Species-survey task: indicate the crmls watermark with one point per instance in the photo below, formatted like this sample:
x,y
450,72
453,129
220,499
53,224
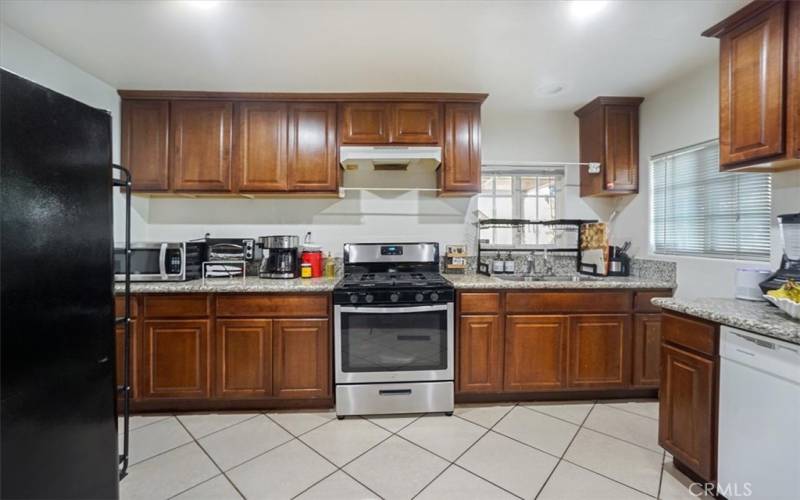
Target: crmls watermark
x,y
730,490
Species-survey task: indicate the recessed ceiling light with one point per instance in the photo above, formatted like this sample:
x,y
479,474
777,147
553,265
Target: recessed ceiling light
x,y
586,9
550,89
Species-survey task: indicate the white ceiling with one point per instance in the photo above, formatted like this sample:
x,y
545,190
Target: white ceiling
x,y
507,49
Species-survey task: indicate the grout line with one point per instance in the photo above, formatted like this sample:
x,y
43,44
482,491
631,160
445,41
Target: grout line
x,y
610,405
266,414
145,425
337,468
661,476
559,418
608,477
549,476
196,485
623,440
212,461
453,462
198,438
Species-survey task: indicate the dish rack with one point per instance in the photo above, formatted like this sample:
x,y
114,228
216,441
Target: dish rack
x,y
566,236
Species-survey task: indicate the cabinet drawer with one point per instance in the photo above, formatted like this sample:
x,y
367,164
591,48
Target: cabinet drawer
x,y
641,301
479,303
276,306
570,302
119,306
176,306
694,334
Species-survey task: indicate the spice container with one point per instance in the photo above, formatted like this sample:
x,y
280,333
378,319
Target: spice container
x,y
305,270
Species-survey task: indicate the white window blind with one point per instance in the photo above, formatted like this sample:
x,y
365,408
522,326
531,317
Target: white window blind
x,y
698,210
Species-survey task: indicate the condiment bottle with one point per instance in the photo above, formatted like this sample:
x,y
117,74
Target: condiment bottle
x,y
330,267
510,265
498,266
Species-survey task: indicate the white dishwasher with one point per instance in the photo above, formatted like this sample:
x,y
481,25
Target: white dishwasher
x,y
759,417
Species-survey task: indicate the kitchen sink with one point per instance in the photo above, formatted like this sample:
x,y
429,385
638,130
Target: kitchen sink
x,y
517,277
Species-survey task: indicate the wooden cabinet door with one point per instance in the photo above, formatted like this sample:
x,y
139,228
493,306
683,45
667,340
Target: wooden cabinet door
x,y
793,79
312,147
201,145
176,359
260,142
364,122
687,409
415,123
535,353
751,82
599,351
120,356
622,148
480,354
461,163
301,355
244,358
145,143
647,350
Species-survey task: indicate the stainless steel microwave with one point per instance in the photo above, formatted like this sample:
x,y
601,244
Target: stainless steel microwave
x,y
160,261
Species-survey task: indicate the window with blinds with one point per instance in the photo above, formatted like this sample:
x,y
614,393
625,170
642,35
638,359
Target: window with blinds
x,y
698,210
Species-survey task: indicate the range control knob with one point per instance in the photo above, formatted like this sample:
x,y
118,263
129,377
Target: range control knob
x,y
434,297
394,297
369,298
419,297
354,298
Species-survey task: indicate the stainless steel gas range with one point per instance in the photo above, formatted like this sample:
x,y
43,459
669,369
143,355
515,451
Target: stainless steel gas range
x,y
393,331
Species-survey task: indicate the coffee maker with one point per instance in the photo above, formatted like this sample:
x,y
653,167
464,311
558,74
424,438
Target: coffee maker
x,y
280,257
790,261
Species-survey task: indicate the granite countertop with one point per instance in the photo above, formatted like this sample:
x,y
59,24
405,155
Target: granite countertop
x,y
756,317
251,284
479,281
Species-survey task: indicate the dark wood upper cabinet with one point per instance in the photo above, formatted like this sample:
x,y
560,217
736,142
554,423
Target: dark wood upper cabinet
x,y
260,142
176,359
244,358
647,350
364,122
609,135
302,358
480,354
758,87
312,147
201,145
599,351
460,172
415,123
145,143
535,353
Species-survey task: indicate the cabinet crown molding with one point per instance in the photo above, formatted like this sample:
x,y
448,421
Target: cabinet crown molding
x,y
306,96
738,17
609,101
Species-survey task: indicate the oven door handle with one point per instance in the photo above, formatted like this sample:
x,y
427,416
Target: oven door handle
x,y
392,310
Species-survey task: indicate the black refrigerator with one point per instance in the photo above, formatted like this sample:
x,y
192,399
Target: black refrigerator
x,y
58,418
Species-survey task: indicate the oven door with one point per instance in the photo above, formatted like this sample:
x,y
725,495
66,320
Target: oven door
x,y
393,344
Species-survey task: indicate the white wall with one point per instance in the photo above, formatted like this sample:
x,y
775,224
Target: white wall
x,y
682,113
30,60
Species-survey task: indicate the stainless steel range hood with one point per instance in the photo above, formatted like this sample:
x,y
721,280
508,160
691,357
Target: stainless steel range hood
x,y
391,158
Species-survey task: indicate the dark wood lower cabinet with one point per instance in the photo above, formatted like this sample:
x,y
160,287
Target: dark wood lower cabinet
x,y
535,353
647,350
599,351
244,358
687,411
176,359
302,364
480,354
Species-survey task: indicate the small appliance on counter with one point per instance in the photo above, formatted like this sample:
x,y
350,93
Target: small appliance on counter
x,y
230,249
790,261
312,255
619,262
748,280
280,258
594,249
161,261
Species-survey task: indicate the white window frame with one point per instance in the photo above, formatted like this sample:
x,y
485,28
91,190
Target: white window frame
x,y
518,196
709,244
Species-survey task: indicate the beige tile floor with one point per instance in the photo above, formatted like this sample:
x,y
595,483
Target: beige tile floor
x,y
580,450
